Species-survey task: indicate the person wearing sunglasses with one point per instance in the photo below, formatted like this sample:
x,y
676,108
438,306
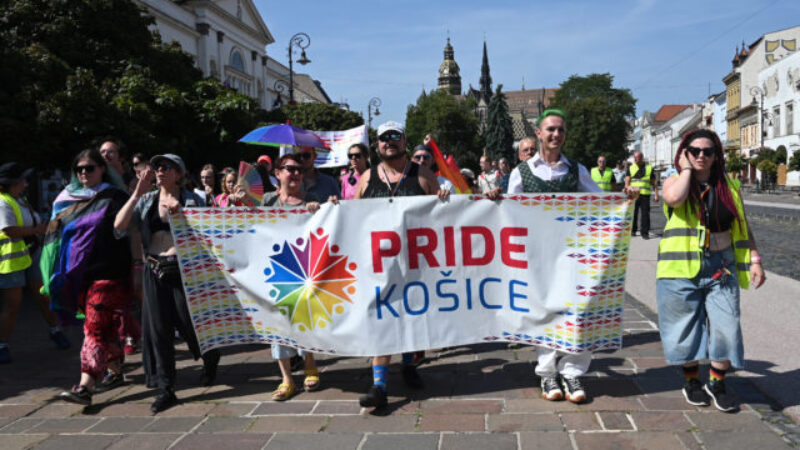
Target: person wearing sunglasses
x,y
290,195
99,264
164,307
641,176
358,154
424,155
395,175
320,185
707,253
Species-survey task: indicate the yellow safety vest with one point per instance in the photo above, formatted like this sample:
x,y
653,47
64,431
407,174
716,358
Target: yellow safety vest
x,y
680,251
13,252
642,183
604,180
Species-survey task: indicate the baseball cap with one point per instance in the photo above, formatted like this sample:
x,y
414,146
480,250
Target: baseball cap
x,y
171,157
13,173
264,159
391,126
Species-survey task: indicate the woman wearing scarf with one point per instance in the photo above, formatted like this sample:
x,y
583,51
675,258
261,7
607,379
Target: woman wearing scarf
x,y
85,267
164,307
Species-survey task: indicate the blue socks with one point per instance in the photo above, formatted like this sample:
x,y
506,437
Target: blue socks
x,y
379,376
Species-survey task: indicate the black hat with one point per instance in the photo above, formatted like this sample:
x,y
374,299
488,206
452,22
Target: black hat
x,y
423,147
13,173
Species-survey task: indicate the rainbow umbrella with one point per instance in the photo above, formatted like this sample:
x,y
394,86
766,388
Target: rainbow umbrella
x,y
277,135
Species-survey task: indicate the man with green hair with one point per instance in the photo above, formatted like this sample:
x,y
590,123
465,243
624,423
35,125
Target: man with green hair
x,y
550,171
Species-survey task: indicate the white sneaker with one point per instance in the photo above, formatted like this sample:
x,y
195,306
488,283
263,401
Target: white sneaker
x,y
573,389
550,388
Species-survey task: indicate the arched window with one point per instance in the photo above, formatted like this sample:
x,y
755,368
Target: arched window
x,y
237,62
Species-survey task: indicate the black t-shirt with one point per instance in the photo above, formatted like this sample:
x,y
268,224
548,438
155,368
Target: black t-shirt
x,y
409,185
111,257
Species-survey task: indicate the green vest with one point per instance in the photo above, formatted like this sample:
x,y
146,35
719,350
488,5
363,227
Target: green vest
x,y
13,252
680,251
643,180
604,180
532,183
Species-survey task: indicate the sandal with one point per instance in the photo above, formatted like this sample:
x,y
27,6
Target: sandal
x,y
311,383
284,392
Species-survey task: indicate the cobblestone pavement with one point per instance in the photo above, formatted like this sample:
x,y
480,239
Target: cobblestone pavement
x,y
479,396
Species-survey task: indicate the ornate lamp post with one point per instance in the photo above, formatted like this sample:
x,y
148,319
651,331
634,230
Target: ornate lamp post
x,y
279,87
301,41
373,104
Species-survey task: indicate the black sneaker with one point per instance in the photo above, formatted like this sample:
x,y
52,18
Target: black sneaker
x,y
60,339
110,381
375,397
694,393
78,394
411,377
210,365
573,389
166,399
550,388
722,399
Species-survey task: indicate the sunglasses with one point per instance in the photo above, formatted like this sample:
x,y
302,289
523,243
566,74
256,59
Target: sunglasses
x,y
386,137
165,166
354,155
292,169
424,157
305,155
707,151
85,169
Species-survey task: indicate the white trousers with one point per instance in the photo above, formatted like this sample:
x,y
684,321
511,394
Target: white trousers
x,y
568,365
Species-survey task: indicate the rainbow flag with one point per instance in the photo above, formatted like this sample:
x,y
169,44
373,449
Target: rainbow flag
x,y
448,171
250,180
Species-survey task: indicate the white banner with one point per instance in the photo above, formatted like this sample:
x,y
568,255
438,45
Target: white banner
x,y
339,142
384,276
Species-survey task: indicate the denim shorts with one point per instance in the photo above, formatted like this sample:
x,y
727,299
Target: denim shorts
x,y
22,278
699,317
283,351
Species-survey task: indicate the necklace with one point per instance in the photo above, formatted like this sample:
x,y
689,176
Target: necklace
x,y
399,182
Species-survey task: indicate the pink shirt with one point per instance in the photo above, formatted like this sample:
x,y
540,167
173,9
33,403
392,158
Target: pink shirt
x,y
349,190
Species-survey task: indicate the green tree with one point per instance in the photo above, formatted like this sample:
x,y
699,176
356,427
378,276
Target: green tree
x,y
734,163
499,133
451,121
769,171
794,162
320,117
598,117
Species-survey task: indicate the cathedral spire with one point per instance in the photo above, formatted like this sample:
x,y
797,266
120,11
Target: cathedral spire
x,y
486,79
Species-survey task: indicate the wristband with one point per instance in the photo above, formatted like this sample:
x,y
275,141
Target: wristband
x,y
755,259
685,168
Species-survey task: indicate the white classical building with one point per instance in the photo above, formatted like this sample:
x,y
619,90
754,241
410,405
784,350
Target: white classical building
x,y
781,85
228,40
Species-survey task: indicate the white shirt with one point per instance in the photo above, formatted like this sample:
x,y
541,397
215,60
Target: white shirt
x,y
488,181
542,169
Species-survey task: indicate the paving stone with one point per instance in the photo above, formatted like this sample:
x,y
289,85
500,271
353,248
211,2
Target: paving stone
x,y
289,424
401,442
762,440
218,441
225,425
479,441
714,420
689,440
121,425
581,421
20,441
58,410
613,387
68,425
666,404
660,421
6,420
607,404
232,409
650,363
77,441
544,440
462,406
328,407
615,421
371,423
524,422
288,407
145,442
21,425
188,410
453,422
630,440
16,410
126,410
317,441
538,404
173,424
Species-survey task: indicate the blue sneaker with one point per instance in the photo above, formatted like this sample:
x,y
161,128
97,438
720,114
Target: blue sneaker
x,y
5,355
60,339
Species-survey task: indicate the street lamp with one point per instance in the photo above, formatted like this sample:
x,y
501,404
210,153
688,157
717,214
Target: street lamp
x,y
374,103
301,41
279,87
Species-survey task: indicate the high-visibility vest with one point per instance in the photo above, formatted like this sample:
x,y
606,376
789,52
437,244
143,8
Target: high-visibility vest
x,y
642,183
14,254
603,180
680,251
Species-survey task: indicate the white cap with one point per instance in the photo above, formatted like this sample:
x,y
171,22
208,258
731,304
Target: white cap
x,y
391,126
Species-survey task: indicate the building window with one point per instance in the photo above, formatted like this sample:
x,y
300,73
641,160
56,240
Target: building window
x,y
237,62
790,118
776,121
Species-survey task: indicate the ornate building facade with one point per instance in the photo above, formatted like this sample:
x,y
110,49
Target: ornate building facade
x,y
449,73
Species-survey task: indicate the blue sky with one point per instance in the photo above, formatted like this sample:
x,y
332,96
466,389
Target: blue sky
x,y
665,51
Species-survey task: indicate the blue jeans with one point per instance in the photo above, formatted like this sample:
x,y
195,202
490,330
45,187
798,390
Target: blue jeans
x,y
699,317
283,351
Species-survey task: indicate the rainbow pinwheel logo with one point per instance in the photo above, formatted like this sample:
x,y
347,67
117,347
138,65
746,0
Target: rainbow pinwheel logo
x,y
309,282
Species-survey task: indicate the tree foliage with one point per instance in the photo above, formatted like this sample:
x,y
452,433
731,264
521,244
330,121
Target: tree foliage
x,y
499,133
451,121
734,163
72,71
316,116
794,161
598,117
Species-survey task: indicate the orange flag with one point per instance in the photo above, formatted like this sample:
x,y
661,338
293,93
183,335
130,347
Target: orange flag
x,y
447,171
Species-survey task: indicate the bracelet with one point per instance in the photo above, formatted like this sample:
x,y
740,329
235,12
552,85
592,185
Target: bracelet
x,y
685,168
755,259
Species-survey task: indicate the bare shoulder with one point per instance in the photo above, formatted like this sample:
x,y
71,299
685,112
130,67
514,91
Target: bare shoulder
x,y
362,184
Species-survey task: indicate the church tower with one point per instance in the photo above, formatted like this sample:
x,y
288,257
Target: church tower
x,y
486,79
449,73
